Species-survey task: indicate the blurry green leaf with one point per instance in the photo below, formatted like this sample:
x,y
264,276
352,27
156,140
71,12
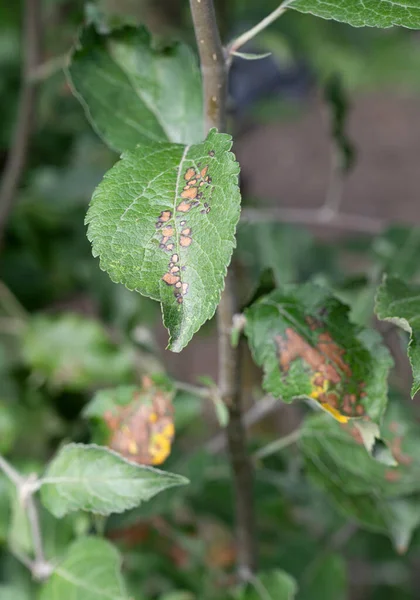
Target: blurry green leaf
x,y
92,478
380,497
90,571
397,250
156,233
178,596
374,13
19,535
399,303
307,346
326,579
272,585
133,93
8,427
11,592
5,507
73,352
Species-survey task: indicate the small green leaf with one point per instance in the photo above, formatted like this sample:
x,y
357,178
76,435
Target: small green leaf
x,y
251,56
90,571
399,303
73,352
163,223
92,478
133,93
380,497
326,579
272,585
307,346
361,13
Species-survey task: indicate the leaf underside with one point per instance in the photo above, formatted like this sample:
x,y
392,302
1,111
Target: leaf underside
x,y
361,13
303,339
399,303
163,223
133,93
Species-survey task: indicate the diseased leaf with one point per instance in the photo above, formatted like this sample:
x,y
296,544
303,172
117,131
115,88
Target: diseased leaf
x,y
92,478
272,585
136,422
361,13
399,303
73,352
302,338
163,223
133,93
90,571
380,497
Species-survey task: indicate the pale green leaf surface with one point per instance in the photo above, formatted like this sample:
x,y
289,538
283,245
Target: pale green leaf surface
x,y
73,352
399,303
303,339
271,585
380,497
10,592
93,478
90,571
361,13
133,93
126,228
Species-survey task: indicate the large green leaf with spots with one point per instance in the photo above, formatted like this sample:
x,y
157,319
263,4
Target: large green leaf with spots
x,y
399,303
163,223
361,13
380,497
308,348
91,570
133,91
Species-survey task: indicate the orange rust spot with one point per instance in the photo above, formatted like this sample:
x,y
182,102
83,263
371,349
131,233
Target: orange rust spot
x,y
392,475
132,447
165,216
185,241
186,231
203,172
170,246
170,279
153,417
190,193
174,269
168,230
174,258
189,174
183,207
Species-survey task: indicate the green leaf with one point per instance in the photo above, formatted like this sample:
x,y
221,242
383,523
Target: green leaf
x,y
165,237
133,93
308,348
90,571
73,352
272,585
92,478
19,535
326,579
380,498
10,592
399,303
8,427
361,13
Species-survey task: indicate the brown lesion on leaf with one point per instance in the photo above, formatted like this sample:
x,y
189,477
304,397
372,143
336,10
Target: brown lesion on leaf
x,y
191,194
143,430
332,379
173,278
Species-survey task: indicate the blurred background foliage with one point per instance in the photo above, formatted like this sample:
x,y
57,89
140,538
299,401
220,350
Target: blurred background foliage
x,y
66,330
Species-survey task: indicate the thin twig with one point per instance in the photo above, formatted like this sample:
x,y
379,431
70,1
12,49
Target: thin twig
x,y
251,33
278,444
214,73
13,170
195,390
10,472
304,216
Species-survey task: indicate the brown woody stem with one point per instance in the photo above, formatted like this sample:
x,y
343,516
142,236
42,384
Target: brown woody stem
x,y
214,73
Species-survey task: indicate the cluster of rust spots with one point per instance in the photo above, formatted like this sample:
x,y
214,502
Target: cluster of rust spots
x,y
173,278
331,375
191,194
169,225
143,430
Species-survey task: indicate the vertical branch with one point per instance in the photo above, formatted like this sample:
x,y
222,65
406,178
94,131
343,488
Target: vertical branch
x,y
31,50
214,74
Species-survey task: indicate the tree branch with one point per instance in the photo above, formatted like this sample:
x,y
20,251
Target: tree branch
x,y
31,48
214,73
